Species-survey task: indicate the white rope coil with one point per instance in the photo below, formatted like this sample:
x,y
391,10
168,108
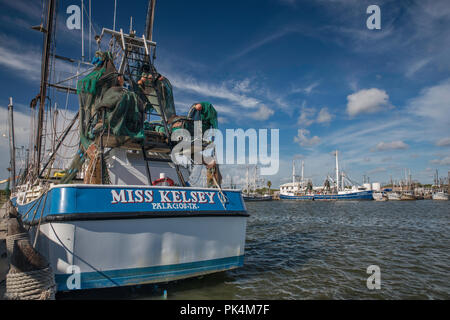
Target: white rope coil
x,y
31,285
10,240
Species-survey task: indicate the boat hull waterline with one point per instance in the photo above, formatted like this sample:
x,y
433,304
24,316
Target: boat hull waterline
x,y
130,235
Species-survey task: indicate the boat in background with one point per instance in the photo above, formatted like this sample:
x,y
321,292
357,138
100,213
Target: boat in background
x,y
394,196
340,191
251,194
407,195
379,196
439,193
257,197
297,190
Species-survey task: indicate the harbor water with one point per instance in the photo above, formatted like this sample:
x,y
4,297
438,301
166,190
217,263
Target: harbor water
x,y
321,250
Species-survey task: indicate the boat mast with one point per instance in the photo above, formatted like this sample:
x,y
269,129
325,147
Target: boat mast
x,y
150,19
12,146
337,172
293,173
303,169
248,185
48,31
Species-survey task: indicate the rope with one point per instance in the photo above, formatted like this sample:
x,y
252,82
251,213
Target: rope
x,y
31,285
10,240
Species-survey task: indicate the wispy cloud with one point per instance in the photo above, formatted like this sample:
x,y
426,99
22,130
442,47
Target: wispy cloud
x,y
211,90
444,142
308,116
303,140
433,103
308,89
393,145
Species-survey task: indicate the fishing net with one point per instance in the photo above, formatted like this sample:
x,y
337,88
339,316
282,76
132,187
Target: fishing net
x,y
108,108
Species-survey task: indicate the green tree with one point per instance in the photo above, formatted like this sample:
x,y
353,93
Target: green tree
x,y
269,184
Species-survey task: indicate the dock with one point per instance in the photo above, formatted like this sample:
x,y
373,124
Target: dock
x,y
3,259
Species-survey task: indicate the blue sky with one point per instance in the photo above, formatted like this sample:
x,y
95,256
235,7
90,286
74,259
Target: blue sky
x,y
309,68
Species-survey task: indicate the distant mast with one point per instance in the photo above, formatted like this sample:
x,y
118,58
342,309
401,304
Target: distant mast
x,y
293,173
303,169
337,172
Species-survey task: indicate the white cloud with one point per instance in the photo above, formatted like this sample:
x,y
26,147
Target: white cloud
x,y
324,116
306,116
394,145
303,140
263,113
210,90
442,162
416,66
27,64
444,142
433,103
367,101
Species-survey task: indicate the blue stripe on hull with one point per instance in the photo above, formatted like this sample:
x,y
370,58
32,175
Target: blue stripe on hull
x,y
135,276
366,195
93,199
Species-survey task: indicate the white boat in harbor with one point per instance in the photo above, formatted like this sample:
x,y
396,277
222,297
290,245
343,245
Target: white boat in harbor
x,y
394,196
305,191
123,212
297,190
440,195
379,196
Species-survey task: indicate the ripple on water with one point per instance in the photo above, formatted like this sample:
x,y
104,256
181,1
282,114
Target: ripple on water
x,y
321,250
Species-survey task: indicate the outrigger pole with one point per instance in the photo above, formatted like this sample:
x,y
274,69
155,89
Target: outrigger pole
x,y
44,79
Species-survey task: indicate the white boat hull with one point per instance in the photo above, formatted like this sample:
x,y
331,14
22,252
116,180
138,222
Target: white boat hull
x,y
118,236
138,251
440,196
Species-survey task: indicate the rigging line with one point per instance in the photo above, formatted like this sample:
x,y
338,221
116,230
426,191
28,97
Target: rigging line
x,y
74,76
40,219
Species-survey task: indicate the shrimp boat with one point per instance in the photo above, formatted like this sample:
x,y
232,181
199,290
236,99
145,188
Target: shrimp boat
x,y
296,190
122,212
341,192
